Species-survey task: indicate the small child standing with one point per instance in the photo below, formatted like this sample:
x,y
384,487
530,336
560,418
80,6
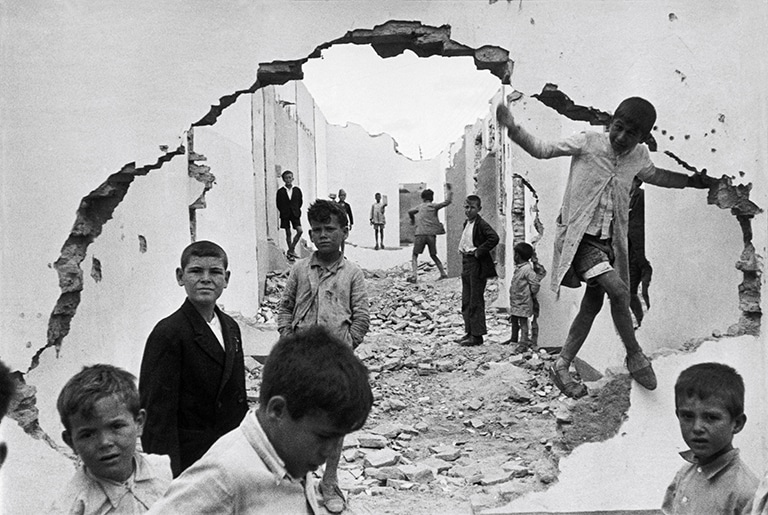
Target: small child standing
x,y
522,294
428,226
709,403
591,238
326,289
378,220
99,408
477,241
313,391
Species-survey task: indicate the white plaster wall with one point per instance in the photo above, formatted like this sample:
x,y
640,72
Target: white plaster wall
x,y
363,165
228,218
90,86
633,469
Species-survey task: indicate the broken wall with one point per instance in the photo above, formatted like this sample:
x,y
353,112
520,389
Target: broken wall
x,y
85,96
364,164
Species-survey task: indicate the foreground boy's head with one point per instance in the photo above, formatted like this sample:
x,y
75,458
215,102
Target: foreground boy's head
x,y
709,403
631,123
7,391
314,390
329,226
472,207
203,272
99,408
523,252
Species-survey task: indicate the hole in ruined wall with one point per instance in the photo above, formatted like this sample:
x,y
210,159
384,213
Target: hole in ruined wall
x,y
96,209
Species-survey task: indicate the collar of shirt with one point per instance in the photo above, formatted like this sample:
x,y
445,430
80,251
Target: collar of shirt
x,y
710,470
333,267
263,447
115,491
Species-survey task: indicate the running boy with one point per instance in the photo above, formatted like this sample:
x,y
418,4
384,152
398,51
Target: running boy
x,y
313,392
99,408
289,201
328,290
192,380
428,226
522,294
378,220
709,403
477,240
591,239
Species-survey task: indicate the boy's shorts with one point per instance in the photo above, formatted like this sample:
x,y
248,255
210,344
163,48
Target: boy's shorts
x,y
593,258
425,240
285,223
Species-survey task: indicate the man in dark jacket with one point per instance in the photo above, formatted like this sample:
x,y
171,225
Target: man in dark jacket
x,y
192,379
477,241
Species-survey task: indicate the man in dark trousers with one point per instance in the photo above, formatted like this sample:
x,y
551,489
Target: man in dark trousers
x,y
477,240
289,202
192,379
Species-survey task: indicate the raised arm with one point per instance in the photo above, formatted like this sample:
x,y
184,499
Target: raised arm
x,y
448,198
534,146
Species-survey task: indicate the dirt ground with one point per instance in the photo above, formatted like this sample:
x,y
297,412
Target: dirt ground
x,y
457,429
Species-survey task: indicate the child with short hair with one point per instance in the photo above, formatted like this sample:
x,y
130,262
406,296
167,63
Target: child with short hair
x,y
99,408
192,379
378,220
326,289
314,390
289,201
347,209
428,226
709,404
477,241
522,292
591,238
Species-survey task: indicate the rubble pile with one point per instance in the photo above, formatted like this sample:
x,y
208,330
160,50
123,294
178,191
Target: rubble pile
x,y
450,425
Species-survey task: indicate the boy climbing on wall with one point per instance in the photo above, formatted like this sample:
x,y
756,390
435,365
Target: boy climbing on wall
x,y
326,289
591,238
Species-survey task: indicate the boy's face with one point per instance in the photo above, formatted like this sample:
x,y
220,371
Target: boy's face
x,y
624,135
377,197
707,426
342,195
327,236
204,279
106,441
288,179
304,443
471,209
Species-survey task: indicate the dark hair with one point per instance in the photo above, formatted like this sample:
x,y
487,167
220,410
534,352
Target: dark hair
x,y
637,111
7,389
322,210
285,172
203,248
92,384
314,370
475,199
427,194
524,250
706,380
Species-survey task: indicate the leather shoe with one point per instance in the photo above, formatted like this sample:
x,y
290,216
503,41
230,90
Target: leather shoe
x,y
463,338
472,341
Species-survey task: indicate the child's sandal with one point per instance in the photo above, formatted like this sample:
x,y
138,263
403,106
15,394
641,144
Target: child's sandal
x,y
570,387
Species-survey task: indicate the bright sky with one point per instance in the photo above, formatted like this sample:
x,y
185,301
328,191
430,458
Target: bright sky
x,y
420,102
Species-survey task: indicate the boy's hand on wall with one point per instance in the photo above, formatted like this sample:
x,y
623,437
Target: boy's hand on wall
x,y
701,181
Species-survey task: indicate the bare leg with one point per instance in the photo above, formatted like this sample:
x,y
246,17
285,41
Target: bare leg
x,y
581,325
439,265
288,239
330,481
619,294
299,232
415,267
514,323
524,338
